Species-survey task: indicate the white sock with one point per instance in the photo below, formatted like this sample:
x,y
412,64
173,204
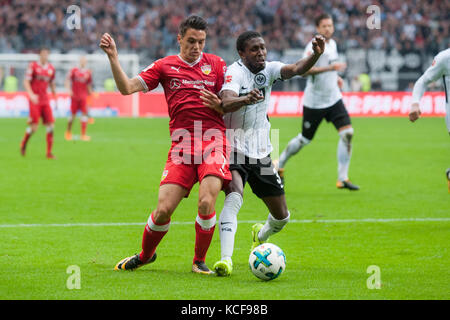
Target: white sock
x,y
292,148
344,153
228,224
272,226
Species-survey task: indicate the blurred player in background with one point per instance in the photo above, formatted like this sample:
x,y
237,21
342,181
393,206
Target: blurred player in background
x,y
79,84
38,76
439,68
245,100
182,76
323,99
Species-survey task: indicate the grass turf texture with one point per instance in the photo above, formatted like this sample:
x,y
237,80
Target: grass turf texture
x,y
114,178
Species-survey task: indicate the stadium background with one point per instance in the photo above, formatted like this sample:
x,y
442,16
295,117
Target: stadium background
x,y
388,59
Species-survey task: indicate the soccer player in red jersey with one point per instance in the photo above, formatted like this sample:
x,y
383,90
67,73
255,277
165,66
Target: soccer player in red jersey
x,y
183,76
37,78
79,85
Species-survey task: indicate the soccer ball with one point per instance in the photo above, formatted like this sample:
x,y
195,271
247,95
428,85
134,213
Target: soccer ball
x,y
267,261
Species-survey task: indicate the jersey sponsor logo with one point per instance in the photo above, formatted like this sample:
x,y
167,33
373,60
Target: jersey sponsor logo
x,y
260,79
199,82
175,84
206,69
228,79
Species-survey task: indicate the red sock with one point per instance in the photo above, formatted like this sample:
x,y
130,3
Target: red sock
x,y
153,235
204,231
25,140
83,127
49,142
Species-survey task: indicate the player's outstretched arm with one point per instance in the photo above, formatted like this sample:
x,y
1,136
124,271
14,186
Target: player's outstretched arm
x,y
304,65
124,84
431,74
230,101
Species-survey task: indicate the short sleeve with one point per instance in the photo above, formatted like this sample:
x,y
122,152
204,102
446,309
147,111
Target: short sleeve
x,y
221,70
150,76
233,78
274,70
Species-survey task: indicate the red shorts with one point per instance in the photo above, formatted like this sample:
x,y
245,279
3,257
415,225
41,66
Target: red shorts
x,y
215,162
78,104
38,111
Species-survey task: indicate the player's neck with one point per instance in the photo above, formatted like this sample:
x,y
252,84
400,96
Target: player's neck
x,y
189,61
43,64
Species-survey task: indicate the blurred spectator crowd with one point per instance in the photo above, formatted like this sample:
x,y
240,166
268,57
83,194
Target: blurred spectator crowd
x,y
150,26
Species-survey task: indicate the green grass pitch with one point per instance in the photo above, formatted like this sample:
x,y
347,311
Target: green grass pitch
x,y
114,179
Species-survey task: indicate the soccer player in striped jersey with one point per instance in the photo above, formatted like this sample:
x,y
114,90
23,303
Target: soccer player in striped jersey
x,y
323,100
245,101
440,68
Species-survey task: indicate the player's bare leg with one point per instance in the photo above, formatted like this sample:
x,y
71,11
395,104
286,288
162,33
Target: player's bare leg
x,y
68,133
205,222
84,122
28,133
169,196
228,223
278,217
49,128
344,153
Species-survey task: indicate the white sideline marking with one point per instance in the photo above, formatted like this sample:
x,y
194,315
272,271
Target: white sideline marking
x,y
120,224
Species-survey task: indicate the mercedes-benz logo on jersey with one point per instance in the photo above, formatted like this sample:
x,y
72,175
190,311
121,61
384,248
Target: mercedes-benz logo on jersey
x,y
175,84
260,79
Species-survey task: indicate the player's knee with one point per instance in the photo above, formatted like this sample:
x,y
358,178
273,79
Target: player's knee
x,y
347,134
234,187
304,141
205,204
162,214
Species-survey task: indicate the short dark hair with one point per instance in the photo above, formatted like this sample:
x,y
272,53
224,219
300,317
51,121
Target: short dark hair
x,y
323,16
194,22
244,37
44,48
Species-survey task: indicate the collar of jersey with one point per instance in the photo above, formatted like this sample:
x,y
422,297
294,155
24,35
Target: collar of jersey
x,y
193,63
42,65
242,64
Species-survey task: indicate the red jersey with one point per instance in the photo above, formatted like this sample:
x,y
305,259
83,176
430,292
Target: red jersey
x,y
80,79
182,82
40,76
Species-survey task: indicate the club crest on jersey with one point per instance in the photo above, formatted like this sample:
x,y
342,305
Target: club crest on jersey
x,y
228,78
206,69
260,79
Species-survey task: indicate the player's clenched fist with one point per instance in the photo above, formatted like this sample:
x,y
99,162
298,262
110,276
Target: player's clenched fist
x,y
414,114
254,96
318,44
108,45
